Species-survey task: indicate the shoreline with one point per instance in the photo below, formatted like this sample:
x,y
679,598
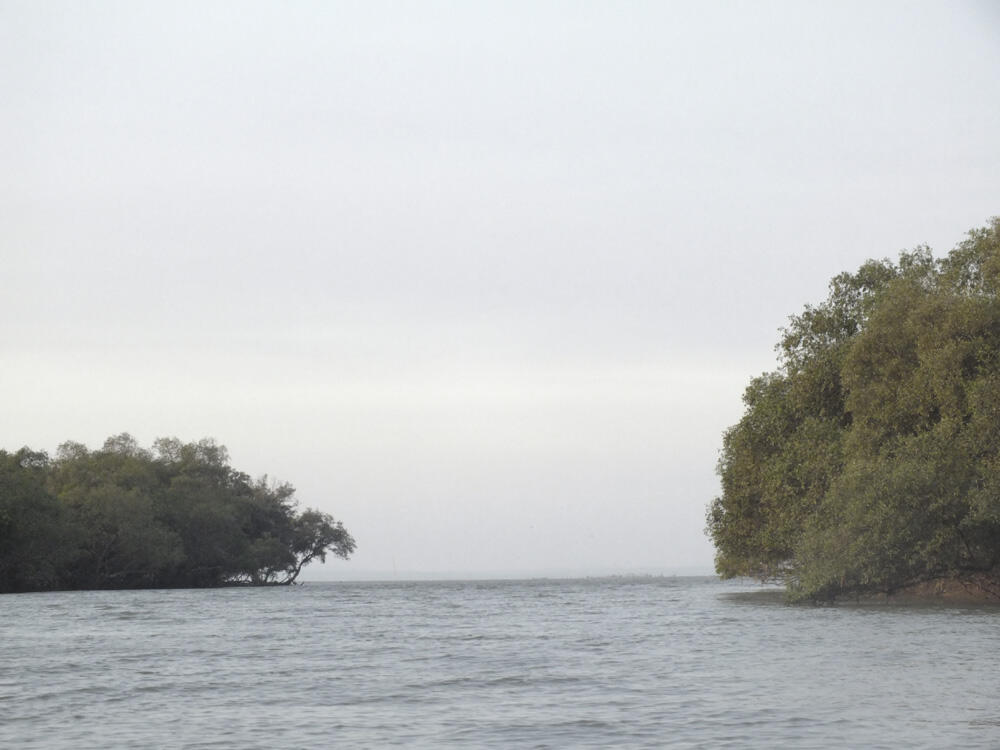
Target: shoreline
x,y
977,590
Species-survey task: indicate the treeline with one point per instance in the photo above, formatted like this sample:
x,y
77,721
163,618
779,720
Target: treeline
x,y
175,516
870,460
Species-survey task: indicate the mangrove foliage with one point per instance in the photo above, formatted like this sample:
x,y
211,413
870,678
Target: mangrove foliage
x,y
869,461
175,516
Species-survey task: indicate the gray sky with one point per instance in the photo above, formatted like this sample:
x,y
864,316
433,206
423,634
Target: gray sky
x,y
483,280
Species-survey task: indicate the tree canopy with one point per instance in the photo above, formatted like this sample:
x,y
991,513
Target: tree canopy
x,y
869,461
177,515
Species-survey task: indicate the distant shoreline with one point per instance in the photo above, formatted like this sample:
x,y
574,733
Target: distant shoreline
x,y
345,575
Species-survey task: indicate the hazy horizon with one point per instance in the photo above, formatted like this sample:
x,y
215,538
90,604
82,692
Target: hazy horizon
x,y
332,573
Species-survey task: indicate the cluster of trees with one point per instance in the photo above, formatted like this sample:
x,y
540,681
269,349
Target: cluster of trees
x,y
870,460
175,516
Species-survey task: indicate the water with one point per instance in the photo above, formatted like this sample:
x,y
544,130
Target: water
x,y
528,664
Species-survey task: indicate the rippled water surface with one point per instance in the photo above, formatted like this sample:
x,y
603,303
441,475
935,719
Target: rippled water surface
x,y
675,662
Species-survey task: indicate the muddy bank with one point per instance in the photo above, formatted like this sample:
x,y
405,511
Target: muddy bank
x,y
970,590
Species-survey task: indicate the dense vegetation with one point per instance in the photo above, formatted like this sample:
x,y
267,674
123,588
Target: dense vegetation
x,y
870,460
175,516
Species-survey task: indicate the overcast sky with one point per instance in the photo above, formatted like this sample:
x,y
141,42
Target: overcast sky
x,y
483,280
